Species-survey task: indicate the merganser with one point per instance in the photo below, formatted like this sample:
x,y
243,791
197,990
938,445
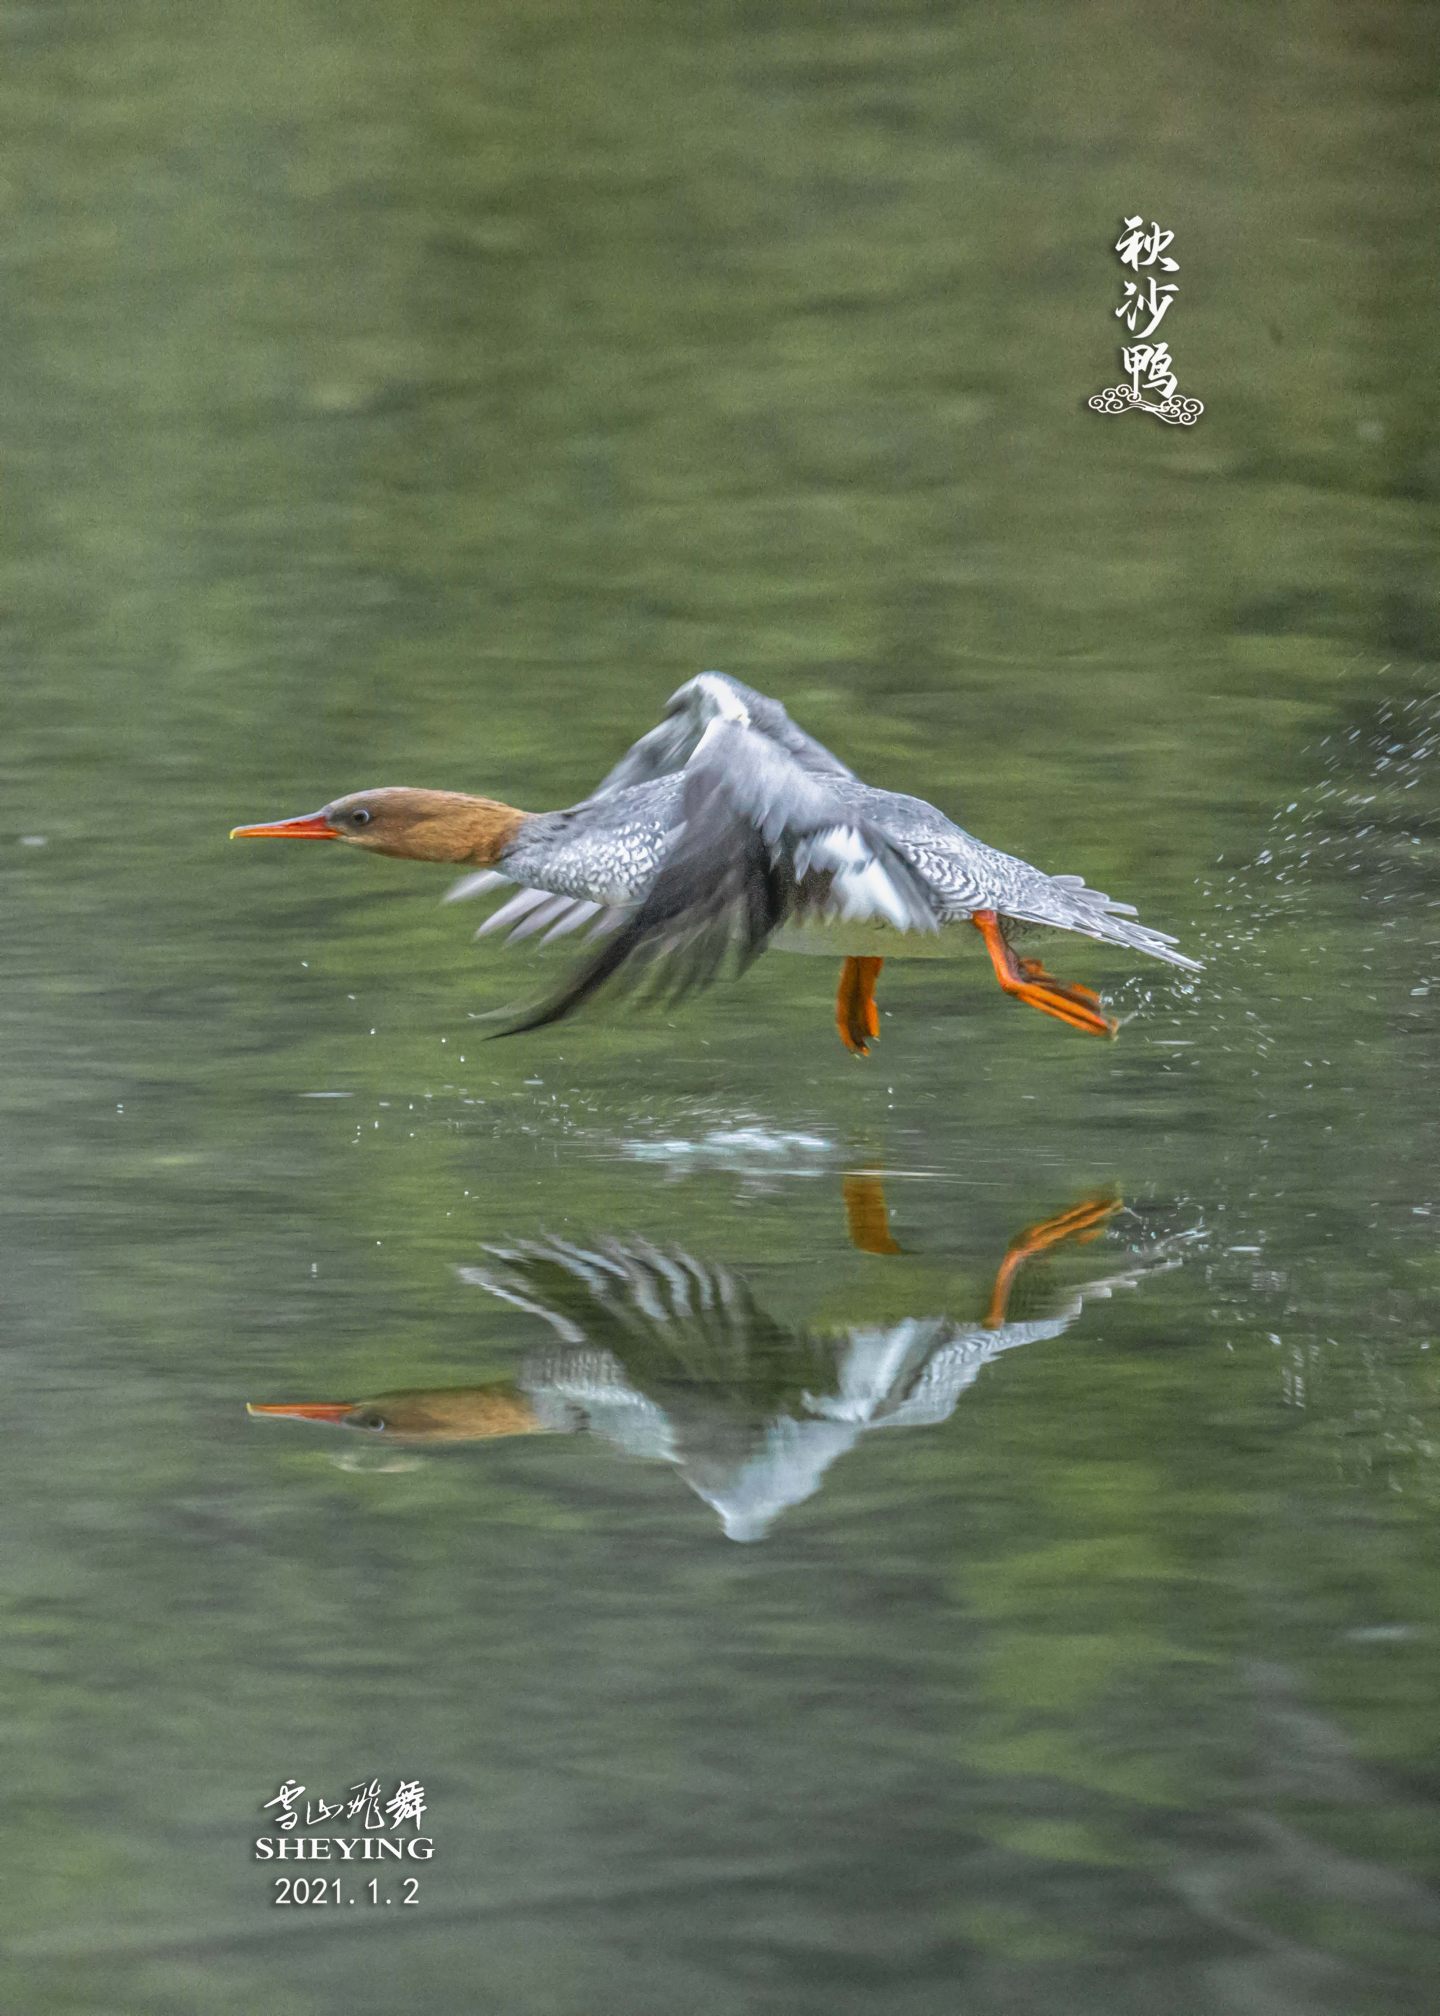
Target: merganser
x,y
671,1359
727,828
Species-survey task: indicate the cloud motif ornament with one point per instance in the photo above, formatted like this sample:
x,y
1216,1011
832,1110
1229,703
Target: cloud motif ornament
x,y
1176,411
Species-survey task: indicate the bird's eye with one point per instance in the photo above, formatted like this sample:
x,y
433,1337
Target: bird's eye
x,y
371,1420
360,817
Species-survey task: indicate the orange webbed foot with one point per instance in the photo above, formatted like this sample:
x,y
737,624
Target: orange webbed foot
x,y
1028,981
856,1015
1034,971
1067,1003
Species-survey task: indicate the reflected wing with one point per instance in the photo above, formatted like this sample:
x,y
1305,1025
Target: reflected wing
x,y
756,838
960,1352
658,1310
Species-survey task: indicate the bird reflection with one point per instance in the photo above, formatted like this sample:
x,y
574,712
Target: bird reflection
x,y
672,1359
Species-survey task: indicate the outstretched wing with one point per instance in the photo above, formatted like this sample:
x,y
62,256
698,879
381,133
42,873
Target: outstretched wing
x,y
657,1309
662,751
690,712
755,838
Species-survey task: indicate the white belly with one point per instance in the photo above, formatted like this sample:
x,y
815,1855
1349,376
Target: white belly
x,y
877,940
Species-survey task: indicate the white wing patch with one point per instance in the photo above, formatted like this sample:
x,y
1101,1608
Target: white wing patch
x,y
538,910
565,1330
528,910
863,887
474,885
723,702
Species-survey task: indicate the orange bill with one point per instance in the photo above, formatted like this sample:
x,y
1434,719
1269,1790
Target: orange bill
x,y
304,1410
312,826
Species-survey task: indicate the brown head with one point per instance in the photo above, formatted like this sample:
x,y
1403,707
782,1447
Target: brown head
x,y
437,1414
416,825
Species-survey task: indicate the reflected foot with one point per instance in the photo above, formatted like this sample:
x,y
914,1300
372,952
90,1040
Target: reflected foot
x,y
867,1215
1082,1222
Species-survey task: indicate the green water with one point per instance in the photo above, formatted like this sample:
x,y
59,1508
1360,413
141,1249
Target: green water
x,y
418,395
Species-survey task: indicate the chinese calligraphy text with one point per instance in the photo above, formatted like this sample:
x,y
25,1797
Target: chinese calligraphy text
x,y
378,1837
1147,300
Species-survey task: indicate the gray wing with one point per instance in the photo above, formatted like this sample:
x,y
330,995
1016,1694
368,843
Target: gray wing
x,y
629,1298
753,837
960,1352
532,911
967,874
1067,903
661,752
690,711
